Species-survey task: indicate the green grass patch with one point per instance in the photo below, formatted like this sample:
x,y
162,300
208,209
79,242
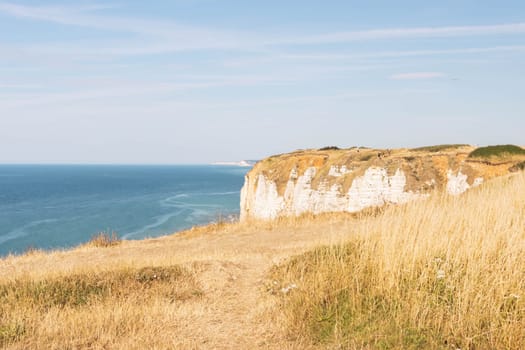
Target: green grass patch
x,y
438,148
499,151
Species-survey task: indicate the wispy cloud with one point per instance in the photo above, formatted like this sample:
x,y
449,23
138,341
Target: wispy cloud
x,y
327,57
417,76
72,15
95,89
406,33
173,36
19,86
162,36
406,53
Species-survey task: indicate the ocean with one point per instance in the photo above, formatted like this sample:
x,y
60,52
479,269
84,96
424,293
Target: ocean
x,y
61,206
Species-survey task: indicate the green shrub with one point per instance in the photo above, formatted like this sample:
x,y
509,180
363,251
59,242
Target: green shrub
x,y
497,151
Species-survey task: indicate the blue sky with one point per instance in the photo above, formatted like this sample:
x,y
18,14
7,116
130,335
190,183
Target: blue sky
x,y
196,81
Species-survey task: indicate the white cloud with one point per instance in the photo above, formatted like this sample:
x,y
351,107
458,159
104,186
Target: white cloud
x,y
417,76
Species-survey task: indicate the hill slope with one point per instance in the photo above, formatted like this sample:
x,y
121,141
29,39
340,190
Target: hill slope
x,y
441,270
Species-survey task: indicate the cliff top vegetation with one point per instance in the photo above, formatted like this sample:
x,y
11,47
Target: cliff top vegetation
x,y
422,165
498,152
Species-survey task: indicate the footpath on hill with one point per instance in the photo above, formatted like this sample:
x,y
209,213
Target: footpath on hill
x,y
230,262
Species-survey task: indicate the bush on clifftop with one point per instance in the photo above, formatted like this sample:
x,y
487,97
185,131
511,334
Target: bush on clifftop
x,y
497,151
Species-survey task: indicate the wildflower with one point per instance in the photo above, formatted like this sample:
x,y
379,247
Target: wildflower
x,y
288,288
440,274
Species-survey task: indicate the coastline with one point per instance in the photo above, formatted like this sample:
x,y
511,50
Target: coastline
x,y
51,207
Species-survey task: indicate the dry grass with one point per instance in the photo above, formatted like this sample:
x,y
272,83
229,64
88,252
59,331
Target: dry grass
x,y
444,273
518,167
104,239
74,310
89,298
446,269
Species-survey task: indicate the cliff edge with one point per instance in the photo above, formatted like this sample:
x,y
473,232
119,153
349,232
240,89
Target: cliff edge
x,y
332,179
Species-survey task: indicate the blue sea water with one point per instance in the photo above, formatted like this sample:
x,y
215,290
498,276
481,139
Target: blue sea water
x,y
59,206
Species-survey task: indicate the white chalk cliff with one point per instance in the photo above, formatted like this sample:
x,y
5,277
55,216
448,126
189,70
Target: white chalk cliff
x,y
374,188
310,182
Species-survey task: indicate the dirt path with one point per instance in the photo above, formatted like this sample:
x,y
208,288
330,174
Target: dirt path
x,y
238,310
231,265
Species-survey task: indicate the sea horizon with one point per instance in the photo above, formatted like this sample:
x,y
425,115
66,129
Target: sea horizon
x,y
59,206
118,164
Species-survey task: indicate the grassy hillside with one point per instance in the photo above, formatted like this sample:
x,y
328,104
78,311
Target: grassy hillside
x,y
441,273
444,273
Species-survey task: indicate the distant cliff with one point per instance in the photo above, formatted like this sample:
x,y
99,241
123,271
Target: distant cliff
x,y
332,179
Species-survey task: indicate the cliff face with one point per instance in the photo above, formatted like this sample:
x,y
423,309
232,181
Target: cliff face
x,y
350,180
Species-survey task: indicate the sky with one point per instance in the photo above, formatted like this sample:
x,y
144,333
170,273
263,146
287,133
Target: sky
x,y
197,81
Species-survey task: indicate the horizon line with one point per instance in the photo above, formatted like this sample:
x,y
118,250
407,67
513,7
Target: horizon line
x,y
116,163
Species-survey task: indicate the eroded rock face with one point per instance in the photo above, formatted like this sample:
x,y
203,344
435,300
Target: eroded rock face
x,y
355,179
457,184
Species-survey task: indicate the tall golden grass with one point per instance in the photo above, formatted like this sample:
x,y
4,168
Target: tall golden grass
x,y
442,273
